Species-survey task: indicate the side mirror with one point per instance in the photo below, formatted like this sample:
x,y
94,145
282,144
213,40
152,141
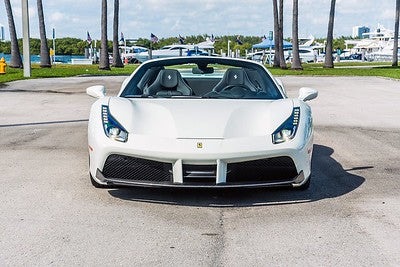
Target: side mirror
x,y
307,94
97,91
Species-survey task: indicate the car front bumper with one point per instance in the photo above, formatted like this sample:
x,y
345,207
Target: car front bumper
x,y
220,154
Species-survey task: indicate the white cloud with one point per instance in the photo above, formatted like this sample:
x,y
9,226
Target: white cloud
x,y
56,16
187,17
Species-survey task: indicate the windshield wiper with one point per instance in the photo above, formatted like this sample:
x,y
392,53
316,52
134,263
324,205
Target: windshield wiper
x,y
219,97
184,97
140,96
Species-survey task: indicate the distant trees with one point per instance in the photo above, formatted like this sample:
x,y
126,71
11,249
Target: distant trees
x,y
329,38
15,61
296,62
44,49
117,62
396,36
104,63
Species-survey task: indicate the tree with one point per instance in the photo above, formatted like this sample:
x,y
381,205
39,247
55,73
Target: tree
x,y
15,61
276,33
104,63
296,63
396,36
117,62
329,38
282,61
44,49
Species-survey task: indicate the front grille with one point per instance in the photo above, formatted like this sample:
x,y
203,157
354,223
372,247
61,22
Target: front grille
x,y
137,169
199,173
263,170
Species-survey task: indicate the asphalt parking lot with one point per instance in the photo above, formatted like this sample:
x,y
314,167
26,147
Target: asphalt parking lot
x,y
51,214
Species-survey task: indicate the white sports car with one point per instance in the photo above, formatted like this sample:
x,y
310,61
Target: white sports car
x,y
203,122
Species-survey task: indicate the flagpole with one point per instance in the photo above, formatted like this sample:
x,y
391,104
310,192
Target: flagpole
x,y
91,51
54,46
271,38
125,46
26,36
150,51
270,56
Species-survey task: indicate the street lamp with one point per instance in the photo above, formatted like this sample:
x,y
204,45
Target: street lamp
x,y
26,36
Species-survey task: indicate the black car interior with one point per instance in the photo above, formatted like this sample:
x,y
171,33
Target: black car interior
x,y
237,82
168,83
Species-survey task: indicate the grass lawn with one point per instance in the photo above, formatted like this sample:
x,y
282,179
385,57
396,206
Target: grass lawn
x,y
67,70
64,70
388,72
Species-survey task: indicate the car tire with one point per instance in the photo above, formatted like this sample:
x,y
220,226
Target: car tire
x,y
304,186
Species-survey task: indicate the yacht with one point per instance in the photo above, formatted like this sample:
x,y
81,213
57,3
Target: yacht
x,y
380,33
131,52
201,49
376,45
309,51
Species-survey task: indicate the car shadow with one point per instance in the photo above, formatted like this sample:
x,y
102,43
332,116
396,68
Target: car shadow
x,y
329,180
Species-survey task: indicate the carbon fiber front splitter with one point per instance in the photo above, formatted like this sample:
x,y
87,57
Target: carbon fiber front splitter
x,y
297,181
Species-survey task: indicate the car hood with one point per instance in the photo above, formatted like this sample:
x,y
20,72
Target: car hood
x,y
200,118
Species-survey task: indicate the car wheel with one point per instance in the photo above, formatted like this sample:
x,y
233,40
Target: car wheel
x,y
304,186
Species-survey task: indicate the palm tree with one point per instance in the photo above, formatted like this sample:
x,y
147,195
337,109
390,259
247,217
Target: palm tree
x,y
44,49
276,33
282,61
329,39
104,61
117,62
296,63
396,36
15,61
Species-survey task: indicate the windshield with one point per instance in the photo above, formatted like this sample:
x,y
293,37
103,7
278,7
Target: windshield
x,y
198,78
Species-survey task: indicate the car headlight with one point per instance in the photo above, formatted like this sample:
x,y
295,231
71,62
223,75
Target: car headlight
x,y
111,126
288,129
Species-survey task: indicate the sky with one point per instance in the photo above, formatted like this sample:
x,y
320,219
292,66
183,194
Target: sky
x,y
165,18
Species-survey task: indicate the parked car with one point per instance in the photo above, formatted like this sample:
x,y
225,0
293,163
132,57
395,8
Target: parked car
x,y
204,122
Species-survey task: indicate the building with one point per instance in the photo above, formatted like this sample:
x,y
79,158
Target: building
x,y
2,33
381,34
358,31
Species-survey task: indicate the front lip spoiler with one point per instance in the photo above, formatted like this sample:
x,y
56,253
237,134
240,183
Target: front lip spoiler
x,y
296,182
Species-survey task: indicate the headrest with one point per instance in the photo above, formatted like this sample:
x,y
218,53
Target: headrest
x,y
149,77
234,76
168,79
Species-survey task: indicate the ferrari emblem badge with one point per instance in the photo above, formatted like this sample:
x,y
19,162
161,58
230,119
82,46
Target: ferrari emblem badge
x,y
199,145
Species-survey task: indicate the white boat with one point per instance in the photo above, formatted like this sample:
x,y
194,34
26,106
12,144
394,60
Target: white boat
x,y
384,53
201,49
308,51
130,52
376,45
